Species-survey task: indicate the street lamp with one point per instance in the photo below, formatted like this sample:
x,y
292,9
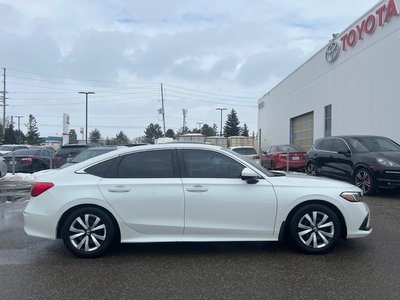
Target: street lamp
x,y
221,109
19,135
86,93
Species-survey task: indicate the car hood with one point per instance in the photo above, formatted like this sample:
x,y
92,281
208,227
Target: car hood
x,y
391,155
306,181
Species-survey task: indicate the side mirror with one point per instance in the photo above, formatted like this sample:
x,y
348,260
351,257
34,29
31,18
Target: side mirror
x,y
346,153
249,176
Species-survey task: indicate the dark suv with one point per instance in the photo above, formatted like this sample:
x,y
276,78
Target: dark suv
x,y
68,151
370,162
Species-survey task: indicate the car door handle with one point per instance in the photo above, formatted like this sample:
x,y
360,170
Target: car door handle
x,y
197,189
119,189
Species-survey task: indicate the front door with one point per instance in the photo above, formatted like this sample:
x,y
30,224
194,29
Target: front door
x,y
218,202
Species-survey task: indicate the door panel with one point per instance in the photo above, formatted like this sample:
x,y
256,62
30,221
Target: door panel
x,y
229,207
149,206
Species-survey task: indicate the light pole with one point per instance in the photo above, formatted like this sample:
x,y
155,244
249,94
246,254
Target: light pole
x,y
19,118
220,131
86,93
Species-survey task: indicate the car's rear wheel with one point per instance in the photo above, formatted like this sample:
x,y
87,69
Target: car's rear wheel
x,y
311,169
315,229
88,232
364,180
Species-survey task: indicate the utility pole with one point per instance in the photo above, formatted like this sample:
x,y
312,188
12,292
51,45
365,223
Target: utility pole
x,y
220,131
184,111
162,108
4,102
86,93
199,123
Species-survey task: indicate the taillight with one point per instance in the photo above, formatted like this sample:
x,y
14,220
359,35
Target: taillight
x,y
27,159
56,158
283,156
40,187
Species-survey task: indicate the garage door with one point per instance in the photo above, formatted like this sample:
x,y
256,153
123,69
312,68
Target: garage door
x,y
302,130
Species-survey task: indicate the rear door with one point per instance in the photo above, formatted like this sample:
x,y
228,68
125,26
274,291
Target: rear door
x,y
145,189
218,202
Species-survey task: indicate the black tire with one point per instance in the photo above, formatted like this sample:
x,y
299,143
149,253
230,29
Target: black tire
x,y
272,165
315,229
364,180
311,169
88,232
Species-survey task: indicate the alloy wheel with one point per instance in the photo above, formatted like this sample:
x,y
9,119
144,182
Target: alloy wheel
x,y
316,229
87,232
364,181
311,169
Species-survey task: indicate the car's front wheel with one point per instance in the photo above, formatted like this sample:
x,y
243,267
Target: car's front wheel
x,y
315,229
311,169
88,232
364,180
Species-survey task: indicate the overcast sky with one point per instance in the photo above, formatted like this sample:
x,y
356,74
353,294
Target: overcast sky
x,y
207,53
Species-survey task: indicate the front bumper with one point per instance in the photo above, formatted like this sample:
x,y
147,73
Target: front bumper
x,y
387,178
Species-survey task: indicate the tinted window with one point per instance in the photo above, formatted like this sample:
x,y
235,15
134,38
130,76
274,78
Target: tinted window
x,y
373,144
102,169
339,146
209,164
327,145
89,153
26,152
245,151
148,164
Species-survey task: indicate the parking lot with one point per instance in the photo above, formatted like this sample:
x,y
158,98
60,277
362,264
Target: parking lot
x,y
366,268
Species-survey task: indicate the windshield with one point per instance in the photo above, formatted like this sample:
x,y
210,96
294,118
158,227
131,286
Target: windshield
x,y
251,162
372,144
84,155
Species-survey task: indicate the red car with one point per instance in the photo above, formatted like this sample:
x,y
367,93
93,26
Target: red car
x,y
275,157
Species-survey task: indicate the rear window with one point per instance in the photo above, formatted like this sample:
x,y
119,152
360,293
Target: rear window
x,y
89,153
70,151
290,148
245,151
27,152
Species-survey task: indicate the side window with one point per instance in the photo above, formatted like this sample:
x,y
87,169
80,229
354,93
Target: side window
x,y
103,169
327,145
271,150
339,145
45,153
148,164
209,164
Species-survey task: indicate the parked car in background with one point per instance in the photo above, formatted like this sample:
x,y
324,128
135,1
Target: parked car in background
x,y
3,167
89,153
369,162
248,151
189,193
6,148
28,160
275,158
66,152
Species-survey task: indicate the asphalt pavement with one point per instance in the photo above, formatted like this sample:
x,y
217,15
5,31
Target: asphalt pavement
x,y
368,268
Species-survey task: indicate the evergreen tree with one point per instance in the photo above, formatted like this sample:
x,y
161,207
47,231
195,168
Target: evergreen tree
x,y
231,127
170,133
9,136
206,130
121,139
245,130
152,132
73,138
32,135
19,136
95,136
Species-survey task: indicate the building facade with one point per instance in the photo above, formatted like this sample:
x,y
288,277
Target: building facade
x,y
351,86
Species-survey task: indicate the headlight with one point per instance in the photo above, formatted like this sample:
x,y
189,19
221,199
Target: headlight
x,y
386,163
352,196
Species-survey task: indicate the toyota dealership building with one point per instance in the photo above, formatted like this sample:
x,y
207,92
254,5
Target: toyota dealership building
x,y
351,86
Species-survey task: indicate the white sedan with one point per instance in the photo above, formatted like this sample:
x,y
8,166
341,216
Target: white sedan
x,y
189,192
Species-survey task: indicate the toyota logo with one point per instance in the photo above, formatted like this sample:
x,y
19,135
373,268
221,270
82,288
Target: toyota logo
x,y
332,52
